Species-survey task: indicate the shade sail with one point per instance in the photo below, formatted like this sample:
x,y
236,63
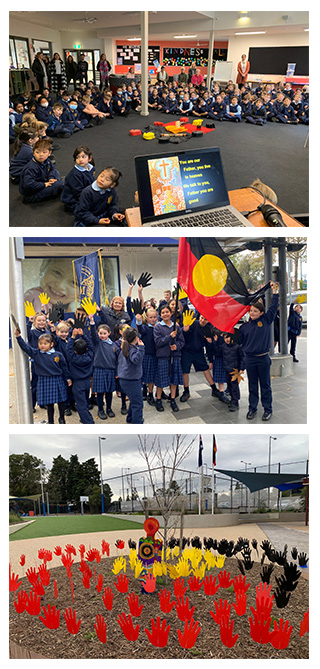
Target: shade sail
x,y
258,481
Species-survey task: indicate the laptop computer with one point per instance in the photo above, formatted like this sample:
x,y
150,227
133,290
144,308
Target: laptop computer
x,y
185,188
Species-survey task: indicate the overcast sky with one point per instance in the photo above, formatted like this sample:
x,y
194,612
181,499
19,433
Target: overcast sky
x,y
121,451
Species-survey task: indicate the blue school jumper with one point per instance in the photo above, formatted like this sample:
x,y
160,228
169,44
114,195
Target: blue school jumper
x,y
257,116
294,328
246,108
193,350
43,113
218,111
71,121
149,363
81,367
255,339
95,203
18,162
119,103
163,340
33,178
56,126
185,107
106,108
75,182
33,335
200,109
51,368
104,364
286,114
232,358
130,375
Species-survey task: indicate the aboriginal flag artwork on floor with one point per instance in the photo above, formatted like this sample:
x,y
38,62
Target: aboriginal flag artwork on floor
x,y
212,283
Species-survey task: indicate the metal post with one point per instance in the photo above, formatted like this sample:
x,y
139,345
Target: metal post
x,y
269,465
144,64
283,334
132,507
20,360
210,55
42,492
190,505
278,500
268,277
101,477
231,494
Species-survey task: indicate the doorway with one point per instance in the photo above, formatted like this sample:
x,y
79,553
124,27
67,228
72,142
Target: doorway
x,y
92,57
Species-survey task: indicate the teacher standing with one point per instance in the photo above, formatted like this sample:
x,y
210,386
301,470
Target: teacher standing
x,y
104,68
243,70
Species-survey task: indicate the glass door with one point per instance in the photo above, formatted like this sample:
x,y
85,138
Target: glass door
x,y
92,58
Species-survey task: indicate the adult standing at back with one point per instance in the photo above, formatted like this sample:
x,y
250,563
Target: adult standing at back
x,y
104,67
57,74
243,70
71,70
82,73
162,75
182,77
191,71
40,71
114,314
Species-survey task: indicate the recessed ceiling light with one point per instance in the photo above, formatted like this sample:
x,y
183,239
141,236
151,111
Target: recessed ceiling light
x,y
184,36
257,32
134,39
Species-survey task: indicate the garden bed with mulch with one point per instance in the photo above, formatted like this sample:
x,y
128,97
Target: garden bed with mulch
x,y
30,634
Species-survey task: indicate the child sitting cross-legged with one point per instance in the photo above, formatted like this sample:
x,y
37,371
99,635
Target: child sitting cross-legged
x,y
98,203
39,180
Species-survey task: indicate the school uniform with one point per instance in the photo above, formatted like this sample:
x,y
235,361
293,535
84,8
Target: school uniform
x,y
286,114
193,350
75,182
149,362
106,108
43,113
119,104
51,369
95,203
104,364
185,107
200,109
232,358
172,105
18,162
16,118
255,338
113,318
257,116
304,114
218,111
33,178
246,108
163,340
129,372
269,110
136,102
33,335
71,121
81,366
56,127
294,329
233,109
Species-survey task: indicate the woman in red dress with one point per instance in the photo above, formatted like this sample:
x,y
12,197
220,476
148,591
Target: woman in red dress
x,y
243,70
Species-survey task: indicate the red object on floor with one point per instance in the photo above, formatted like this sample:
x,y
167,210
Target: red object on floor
x,y
135,132
158,123
189,127
184,119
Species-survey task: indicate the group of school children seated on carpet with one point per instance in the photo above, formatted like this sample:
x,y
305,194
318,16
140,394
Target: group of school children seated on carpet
x,y
35,122
134,351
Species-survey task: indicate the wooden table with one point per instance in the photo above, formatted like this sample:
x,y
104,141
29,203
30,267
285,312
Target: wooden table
x,y
243,199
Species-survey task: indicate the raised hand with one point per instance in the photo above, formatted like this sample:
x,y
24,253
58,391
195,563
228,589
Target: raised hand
x,y
89,306
188,318
260,627
29,309
241,606
183,610
131,279
136,306
280,637
149,584
134,607
73,625
144,279
209,585
165,604
130,632
51,617
239,585
222,609
101,628
44,299
226,632
79,321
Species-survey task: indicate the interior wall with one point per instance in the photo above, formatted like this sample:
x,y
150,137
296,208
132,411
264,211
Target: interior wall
x,y
30,31
239,45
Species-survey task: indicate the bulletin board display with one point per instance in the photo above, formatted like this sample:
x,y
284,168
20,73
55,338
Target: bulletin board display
x,y
274,60
185,56
131,55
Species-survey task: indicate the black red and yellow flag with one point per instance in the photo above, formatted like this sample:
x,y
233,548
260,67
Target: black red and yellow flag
x,y
212,283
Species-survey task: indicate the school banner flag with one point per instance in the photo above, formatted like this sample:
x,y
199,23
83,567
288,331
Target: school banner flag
x,y
87,274
214,450
200,452
212,283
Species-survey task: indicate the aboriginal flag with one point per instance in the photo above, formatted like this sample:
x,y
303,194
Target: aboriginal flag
x,y
212,283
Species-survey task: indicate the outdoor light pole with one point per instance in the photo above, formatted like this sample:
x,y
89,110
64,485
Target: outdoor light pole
x,y
269,465
245,469
101,479
42,493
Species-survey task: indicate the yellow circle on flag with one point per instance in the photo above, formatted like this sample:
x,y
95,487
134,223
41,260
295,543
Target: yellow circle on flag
x,y
209,275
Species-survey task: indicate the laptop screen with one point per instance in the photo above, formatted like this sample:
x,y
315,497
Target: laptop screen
x,y
180,182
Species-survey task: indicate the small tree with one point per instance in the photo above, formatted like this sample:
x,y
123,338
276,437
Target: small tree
x,y
163,459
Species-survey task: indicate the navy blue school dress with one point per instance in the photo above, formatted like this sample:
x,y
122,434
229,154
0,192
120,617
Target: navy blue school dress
x,y
149,363
75,182
104,364
51,369
94,204
163,340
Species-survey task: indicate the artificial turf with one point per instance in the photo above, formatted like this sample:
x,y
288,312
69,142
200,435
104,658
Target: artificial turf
x,y
51,526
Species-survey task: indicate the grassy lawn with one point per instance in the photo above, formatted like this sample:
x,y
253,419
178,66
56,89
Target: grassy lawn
x,y
51,526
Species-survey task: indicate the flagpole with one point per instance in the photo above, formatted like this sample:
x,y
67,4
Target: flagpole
x,y
212,489
200,488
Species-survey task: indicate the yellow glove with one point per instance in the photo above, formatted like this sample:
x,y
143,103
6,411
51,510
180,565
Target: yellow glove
x,y
29,309
300,299
188,318
89,307
44,299
182,294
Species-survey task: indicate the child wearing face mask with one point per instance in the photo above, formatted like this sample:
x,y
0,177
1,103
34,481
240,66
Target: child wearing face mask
x,y
43,110
71,117
255,340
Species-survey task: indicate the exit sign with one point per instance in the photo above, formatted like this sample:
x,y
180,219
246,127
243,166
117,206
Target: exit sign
x,y
76,46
